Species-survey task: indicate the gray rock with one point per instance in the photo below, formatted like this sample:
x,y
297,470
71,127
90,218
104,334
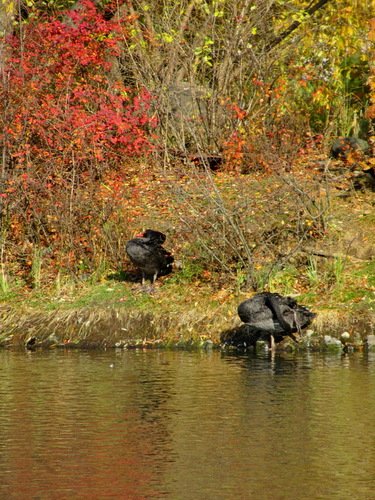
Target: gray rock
x,y
343,146
371,342
332,342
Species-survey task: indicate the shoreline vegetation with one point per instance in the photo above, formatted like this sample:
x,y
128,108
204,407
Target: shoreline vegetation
x,y
333,273
109,327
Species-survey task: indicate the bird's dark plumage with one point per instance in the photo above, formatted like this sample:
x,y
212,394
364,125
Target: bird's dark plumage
x,y
147,253
274,315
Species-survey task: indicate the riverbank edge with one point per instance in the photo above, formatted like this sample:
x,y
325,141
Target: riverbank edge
x,y
106,327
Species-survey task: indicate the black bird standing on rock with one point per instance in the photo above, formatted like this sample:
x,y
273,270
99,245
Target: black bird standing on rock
x,y
269,316
147,253
274,313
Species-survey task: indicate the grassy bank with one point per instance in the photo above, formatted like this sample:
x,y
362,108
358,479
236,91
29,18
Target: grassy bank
x,y
121,315
328,265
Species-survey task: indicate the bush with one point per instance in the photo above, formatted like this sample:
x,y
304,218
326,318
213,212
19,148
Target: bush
x,y
67,125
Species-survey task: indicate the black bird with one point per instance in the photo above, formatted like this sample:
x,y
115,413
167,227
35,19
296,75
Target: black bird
x,y
274,316
147,253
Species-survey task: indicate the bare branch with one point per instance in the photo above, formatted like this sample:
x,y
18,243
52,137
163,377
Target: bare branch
x,y
310,11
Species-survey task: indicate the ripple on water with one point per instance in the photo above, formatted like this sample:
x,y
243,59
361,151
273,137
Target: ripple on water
x,y
188,425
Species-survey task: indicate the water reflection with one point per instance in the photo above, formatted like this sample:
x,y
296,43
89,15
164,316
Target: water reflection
x,y
186,425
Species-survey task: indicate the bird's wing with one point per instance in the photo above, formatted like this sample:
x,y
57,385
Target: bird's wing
x,y
274,304
139,251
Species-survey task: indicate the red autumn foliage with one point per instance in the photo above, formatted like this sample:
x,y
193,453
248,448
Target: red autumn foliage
x,y
62,104
67,127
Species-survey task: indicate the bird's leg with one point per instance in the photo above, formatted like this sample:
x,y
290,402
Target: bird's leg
x,y
143,278
296,322
272,342
151,288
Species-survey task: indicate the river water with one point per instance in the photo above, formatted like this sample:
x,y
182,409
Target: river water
x,y
186,425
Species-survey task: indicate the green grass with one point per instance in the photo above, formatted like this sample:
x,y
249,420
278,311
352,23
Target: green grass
x,y
284,281
190,271
368,271
104,294
348,285
312,272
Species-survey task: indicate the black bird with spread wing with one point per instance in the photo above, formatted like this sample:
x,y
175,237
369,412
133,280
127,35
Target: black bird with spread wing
x,y
147,253
275,314
268,316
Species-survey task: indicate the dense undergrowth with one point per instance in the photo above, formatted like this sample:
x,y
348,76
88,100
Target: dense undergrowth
x,y
333,272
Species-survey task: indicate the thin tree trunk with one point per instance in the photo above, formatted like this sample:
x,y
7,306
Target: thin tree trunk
x,y
310,11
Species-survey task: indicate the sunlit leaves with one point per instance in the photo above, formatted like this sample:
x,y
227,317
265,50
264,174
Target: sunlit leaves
x,y
72,106
203,53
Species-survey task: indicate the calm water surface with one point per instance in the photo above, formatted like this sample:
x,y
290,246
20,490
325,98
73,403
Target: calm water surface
x,y
180,425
